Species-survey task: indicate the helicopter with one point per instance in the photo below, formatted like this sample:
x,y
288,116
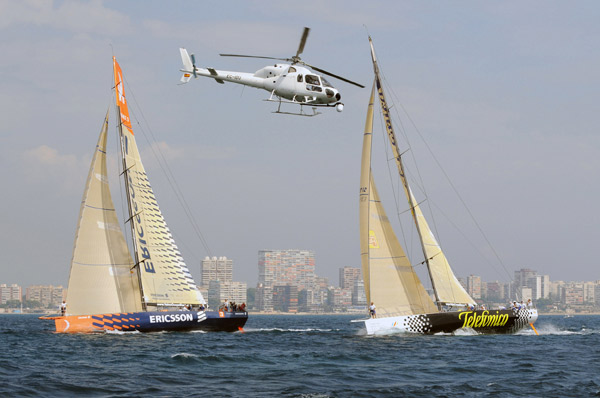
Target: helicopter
x,y
290,82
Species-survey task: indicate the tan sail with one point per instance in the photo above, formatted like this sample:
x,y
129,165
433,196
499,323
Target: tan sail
x,y
390,280
101,280
449,289
164,275
365,196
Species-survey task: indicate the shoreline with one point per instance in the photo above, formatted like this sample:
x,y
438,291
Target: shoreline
x,y
354,313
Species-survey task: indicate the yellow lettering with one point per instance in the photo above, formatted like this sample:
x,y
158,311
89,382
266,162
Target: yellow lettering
x,y
493,320
466,314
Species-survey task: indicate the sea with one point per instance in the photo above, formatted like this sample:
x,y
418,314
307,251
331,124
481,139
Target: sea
x,y
300,356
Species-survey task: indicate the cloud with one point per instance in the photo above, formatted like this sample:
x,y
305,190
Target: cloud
x,y
159,152
272,39
45,165
74,16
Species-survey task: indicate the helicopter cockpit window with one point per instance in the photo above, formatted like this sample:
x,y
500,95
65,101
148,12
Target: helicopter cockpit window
x,y
300,80
312,79
325,82
292,69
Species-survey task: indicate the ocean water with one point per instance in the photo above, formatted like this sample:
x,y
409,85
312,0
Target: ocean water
x,y
300,356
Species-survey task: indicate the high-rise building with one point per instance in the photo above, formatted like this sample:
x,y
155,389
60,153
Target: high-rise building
x,y
572,294
359,296
589,292
521,279
348,276
10,293
263,299
281,268
285,298
341,298
496,291
524,293
597,293
47,295
474,286
545,286
216,268
219,292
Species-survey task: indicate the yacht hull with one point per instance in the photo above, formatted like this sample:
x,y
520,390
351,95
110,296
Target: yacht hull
x,y
482,321
153,321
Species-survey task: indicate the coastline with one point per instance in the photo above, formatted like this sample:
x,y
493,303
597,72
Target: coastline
x,y
358,314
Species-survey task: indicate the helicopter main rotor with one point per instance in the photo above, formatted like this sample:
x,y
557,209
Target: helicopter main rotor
x,y
296,59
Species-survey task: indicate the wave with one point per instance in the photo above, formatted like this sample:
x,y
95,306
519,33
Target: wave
x,y
121,332
290,330
184,355
552,329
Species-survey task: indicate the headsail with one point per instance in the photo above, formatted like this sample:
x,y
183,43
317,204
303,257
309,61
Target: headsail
x,y
164,275
447,288
101,280
390,280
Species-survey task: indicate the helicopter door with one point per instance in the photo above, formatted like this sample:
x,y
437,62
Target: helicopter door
x,y
313,83
300,89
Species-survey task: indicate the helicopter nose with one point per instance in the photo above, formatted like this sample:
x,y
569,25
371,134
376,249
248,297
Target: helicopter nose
x,y
338,96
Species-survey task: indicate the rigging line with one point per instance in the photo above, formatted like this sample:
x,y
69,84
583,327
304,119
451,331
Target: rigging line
x,y
419,182
390,175
169,174
473,245
456,192
449,181
419,178
449,275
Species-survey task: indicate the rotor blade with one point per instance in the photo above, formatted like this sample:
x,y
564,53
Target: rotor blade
x,y
302,41
333,75
253,56
193,57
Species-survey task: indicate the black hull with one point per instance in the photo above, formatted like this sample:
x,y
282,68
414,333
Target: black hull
x,y
482,321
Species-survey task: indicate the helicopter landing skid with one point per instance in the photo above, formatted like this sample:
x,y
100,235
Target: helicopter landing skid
x,y
302,105
301,113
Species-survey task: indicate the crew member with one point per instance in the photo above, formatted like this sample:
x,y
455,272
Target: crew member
x,y
372,310
63,308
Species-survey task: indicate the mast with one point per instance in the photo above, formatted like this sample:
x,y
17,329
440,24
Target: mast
x,y
125,175
399,163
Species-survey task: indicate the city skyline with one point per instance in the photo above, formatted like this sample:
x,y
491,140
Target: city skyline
x,y
288,291
227,273
506,102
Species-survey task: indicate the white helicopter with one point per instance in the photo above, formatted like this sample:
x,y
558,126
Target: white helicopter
x,y
288,82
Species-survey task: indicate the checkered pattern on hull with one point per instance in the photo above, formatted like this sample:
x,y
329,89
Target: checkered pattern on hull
x,y
417,324
523,318
123,321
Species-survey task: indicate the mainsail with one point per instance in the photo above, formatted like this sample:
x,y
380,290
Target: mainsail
x,y
390,280
101,280
165,277
447,288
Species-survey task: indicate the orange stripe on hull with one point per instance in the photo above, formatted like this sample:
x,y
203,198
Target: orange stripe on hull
x,y
75,324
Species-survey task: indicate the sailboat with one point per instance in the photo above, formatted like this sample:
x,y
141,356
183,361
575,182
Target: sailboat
x,y
109,289
402,304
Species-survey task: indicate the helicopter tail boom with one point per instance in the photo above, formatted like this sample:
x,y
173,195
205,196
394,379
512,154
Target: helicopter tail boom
x,y
188,65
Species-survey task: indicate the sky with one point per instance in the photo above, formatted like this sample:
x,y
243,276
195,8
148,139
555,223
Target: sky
x,y
505,95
